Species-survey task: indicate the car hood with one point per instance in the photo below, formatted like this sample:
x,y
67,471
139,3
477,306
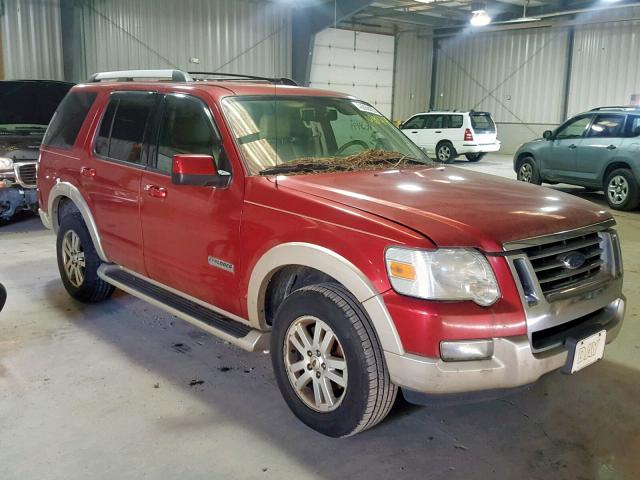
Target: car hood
x,y
18,147
452,206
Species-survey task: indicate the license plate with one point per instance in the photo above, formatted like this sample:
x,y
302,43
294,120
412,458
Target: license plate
x,y
589,350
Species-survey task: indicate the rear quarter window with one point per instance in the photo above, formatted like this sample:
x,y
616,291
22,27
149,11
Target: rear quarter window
x,y
68,119
632,127
482,123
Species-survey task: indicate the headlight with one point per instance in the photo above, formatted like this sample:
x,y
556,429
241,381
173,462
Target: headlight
x,y
444,274
6,164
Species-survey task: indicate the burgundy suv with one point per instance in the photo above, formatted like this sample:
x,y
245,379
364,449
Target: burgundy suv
x,y
302,221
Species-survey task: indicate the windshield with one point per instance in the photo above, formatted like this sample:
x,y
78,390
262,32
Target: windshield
x,y
26,107
307,134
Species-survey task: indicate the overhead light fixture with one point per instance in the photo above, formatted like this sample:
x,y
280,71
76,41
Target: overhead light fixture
x,y
479,18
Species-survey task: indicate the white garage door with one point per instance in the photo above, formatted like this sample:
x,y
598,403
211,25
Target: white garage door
x,y
357,63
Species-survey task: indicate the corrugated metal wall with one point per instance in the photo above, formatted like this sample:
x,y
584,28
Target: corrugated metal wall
x,y
605,65
31,39
517,75
247,36
412,79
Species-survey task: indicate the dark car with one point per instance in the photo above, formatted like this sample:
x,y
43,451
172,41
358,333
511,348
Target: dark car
x,y
26,107
597,150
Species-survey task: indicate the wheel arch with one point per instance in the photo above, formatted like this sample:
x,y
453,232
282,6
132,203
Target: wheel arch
x,y
334,266
63,192
521,156
614,165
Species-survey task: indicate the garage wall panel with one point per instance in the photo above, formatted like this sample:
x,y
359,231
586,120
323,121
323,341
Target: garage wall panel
x,y
412,78
605,65
356,63
232,36
516,75
31,39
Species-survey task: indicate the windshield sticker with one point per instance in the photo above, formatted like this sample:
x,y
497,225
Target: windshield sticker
x,y
363,107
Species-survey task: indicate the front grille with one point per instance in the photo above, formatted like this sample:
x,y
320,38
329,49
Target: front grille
x,y
26,174
551,270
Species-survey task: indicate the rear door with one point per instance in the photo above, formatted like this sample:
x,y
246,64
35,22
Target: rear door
x,y
599,146
453,130
112,179
433,132
483,127
191,234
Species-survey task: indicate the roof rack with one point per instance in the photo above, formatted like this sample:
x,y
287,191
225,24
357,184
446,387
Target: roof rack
x,y
616,107
130,75
239,76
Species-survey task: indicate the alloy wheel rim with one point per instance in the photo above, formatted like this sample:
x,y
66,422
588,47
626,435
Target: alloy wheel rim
x,y
526,173
444,153
618,189
73,258
316,364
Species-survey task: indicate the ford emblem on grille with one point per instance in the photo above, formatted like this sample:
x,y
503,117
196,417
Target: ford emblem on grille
x,y
572,260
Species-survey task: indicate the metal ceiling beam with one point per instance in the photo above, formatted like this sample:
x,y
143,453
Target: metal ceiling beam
x,y
416,18
309,20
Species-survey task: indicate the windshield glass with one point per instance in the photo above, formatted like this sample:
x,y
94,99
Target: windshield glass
x,y
307,134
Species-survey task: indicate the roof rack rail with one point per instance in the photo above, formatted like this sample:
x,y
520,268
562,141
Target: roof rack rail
x,y
240,76
616,107
130,75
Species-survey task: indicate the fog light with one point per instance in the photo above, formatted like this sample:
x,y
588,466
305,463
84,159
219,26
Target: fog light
x,y
466,350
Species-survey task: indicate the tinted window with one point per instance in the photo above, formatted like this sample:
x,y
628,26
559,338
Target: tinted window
x,y
573,128
186,128
606,126
434,121
121,133
632,127
415,122
482,123
455,121
68,119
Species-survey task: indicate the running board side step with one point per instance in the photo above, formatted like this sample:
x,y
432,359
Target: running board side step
x,y
196,313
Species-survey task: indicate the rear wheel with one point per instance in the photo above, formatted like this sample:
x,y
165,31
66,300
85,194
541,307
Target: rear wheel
x,y
621,189
328,363
78,262
445,152
475,157
528,171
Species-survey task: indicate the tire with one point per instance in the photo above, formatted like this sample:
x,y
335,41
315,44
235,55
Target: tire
x,y
475,157
367,395
445,153
528,171
621,189
74,240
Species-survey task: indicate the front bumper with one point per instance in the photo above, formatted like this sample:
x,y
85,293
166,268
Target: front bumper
x,y
479,148
15,199
513,363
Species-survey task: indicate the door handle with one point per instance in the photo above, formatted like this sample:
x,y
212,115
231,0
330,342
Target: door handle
x,y
438,131
155,191
611,147
572,146
414,131
88,172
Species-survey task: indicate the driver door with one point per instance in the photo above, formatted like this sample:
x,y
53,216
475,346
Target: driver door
x,y
559,158
190,232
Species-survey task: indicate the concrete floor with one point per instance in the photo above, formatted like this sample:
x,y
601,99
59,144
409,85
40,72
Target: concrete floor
x,y
104,392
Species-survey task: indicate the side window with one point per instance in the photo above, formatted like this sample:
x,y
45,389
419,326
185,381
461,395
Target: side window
x,y
415,123
632,127
454,121
434,121
573,128
121,133
607,126
186,127
68,119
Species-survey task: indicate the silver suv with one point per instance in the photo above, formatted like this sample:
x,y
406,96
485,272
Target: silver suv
x,y
598,150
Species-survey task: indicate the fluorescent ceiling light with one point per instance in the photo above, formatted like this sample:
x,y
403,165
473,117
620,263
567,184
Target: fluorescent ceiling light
x,y
479,18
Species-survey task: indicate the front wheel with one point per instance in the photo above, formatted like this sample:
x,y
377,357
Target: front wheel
x,y
528,171
78,262
622,190
328,362
475,157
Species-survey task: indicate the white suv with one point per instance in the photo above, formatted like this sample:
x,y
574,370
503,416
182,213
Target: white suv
x,y
446,135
